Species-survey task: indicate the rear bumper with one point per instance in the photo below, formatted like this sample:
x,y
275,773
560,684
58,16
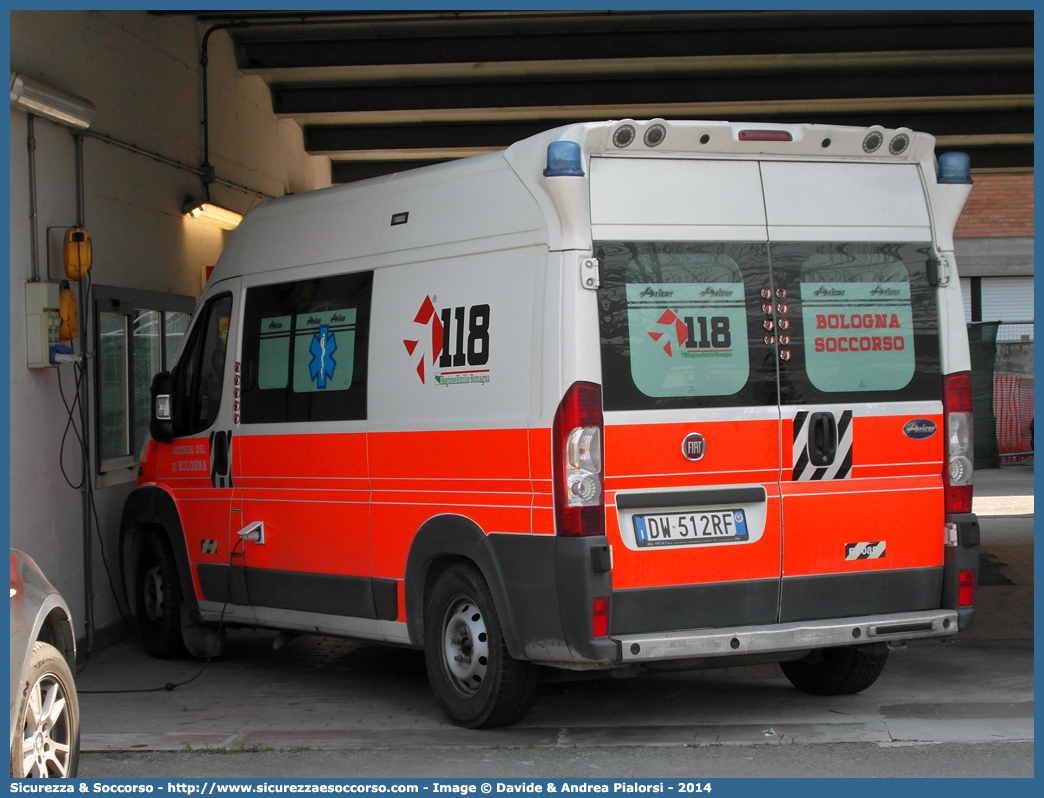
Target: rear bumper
x,y
793,636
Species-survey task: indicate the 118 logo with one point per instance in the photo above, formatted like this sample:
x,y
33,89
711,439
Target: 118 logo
x,y
459,336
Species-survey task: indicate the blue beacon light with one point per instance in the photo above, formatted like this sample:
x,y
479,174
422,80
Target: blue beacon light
x,y
564,158
954,167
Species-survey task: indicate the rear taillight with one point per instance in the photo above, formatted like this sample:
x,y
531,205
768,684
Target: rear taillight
x,y
965,588
577,456
957,421
600,617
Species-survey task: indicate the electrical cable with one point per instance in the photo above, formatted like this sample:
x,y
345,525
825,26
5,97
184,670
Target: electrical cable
x,y
69,424
169,686
83,386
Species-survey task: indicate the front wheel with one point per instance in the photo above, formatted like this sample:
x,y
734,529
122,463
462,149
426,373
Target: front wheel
x,y
157,598
477,683
47,735
835,671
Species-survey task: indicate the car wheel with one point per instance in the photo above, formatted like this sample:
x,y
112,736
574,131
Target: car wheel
x,y
47,737
476,681
835,671
158,598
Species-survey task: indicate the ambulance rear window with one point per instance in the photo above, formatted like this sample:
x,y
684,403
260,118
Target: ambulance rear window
x,y
863,322
677,328
729,324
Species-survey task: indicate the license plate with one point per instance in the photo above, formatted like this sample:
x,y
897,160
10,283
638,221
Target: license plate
x,y
689,529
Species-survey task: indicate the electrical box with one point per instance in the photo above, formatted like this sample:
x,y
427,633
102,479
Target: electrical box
x,y
42,322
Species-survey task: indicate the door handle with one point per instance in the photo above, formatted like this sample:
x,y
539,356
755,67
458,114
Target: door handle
x,y
822,439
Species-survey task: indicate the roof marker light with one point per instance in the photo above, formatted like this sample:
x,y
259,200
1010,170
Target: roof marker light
x,y
765,135
623,136
954,167
655,135
873,141
564,158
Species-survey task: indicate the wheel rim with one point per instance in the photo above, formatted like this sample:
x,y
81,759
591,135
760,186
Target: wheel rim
x,y
152,597
47,730
465,646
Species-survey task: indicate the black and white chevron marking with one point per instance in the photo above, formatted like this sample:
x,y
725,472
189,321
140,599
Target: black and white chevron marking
x,y
841,468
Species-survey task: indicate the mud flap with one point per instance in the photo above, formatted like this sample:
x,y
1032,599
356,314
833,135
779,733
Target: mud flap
x,y
202,640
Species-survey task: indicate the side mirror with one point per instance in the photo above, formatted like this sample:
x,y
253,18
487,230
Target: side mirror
x,y
161,421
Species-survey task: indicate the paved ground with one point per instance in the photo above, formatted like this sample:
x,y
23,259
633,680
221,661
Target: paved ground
x,y
829,760
1004,502
328,695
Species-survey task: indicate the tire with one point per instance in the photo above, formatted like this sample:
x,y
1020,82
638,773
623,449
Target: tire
x,y
47,732
475,680
158,598
835,671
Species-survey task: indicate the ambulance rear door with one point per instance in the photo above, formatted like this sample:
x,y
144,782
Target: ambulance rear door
x,y
691,456
860,389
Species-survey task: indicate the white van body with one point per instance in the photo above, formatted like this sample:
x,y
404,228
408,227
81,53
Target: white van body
x,y
476,385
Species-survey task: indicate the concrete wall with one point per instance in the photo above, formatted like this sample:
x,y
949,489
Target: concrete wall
x,y
994,256
1014,357
142,73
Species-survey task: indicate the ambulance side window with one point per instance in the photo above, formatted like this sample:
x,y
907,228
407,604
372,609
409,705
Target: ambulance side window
x,y
199,373
304,350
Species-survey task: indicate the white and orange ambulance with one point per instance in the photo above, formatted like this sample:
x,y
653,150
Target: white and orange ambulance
x,y
625,396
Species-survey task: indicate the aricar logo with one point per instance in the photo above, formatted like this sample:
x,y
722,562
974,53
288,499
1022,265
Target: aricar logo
x,y
919,428
322,366
450,349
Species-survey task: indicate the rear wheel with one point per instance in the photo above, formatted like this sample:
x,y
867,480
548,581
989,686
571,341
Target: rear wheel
x,y
474,678
836,671
158,598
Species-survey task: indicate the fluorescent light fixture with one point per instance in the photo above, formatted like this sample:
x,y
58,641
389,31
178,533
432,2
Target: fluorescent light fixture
x,y
51,103
214,215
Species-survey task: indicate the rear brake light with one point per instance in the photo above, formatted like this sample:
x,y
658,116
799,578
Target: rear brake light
x,y
965,588
957,421
765,135
600,617
577,462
